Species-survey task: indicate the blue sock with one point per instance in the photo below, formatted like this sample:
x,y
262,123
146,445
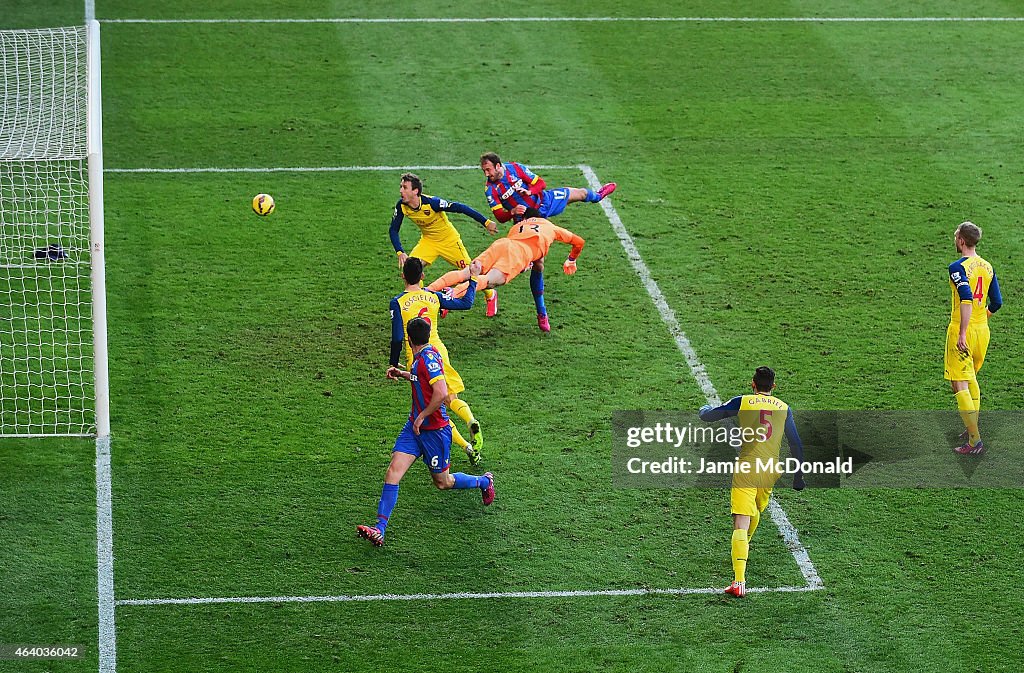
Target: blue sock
x,y
463,480
537,285
592,196
388,498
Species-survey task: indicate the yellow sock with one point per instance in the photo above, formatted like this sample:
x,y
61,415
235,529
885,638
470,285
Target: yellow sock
x,y
740,547
754,520
975,394
969,414
488,293
457,436
461,409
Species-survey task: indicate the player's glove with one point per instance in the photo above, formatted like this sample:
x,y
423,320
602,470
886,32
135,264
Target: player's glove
x,y
569,267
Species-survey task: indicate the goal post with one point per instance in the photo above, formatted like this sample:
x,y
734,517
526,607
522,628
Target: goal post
x,y
53,350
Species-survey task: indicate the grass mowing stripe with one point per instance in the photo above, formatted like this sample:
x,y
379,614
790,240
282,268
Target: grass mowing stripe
x,y
604,19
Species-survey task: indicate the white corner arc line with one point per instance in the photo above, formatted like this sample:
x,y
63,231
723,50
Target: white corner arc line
x,y
700,374
308,169
602,19
449,596
105,558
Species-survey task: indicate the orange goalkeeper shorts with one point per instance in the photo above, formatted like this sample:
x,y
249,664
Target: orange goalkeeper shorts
x,y
508,256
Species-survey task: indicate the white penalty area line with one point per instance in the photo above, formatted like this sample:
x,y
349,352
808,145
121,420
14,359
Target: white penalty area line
x,y
450,596
606,19
699,372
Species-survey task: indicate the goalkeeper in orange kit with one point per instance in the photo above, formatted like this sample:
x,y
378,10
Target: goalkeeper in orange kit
x,y
527,243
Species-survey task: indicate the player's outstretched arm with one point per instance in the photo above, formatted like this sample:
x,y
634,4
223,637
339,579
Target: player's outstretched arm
x,y
462,209
710,413
796,448
463,303
395,373
566,236
396,225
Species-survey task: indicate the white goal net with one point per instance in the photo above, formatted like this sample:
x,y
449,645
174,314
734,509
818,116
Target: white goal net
x,y
47,360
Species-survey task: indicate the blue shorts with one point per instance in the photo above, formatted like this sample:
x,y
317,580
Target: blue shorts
x,y
555,201
434,446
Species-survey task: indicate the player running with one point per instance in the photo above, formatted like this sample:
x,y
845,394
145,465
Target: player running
x,y
438,237
415,302
426,434
752,489
527,243
976,296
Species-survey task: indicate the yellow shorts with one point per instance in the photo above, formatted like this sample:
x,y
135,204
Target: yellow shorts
x,y
451,377
452,250
960,366
749,501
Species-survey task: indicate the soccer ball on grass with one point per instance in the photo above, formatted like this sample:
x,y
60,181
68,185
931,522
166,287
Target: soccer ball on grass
x,y
263,204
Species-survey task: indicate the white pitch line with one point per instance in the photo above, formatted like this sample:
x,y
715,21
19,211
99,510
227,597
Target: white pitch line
x,y
308,169
105,557
450,596
607,19
700,374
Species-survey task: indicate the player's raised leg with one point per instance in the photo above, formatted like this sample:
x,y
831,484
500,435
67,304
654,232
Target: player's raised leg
x,y
577,194
461,480
461,408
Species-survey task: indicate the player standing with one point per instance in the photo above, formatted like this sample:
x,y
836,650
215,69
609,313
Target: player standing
x,y
438,236
750,491
527,243
512,188
415,302
976,296
426,434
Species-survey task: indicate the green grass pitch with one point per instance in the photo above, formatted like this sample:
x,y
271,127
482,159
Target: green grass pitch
x,y
792,187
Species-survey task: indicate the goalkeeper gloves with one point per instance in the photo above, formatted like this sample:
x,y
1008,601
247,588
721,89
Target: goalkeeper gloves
x,y
569,267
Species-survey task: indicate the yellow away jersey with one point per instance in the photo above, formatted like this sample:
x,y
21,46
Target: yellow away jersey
x,y
432,221
419,304
971,279
767,414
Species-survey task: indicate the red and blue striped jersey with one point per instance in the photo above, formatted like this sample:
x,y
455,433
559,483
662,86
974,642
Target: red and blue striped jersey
x,y
513,188
427,367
